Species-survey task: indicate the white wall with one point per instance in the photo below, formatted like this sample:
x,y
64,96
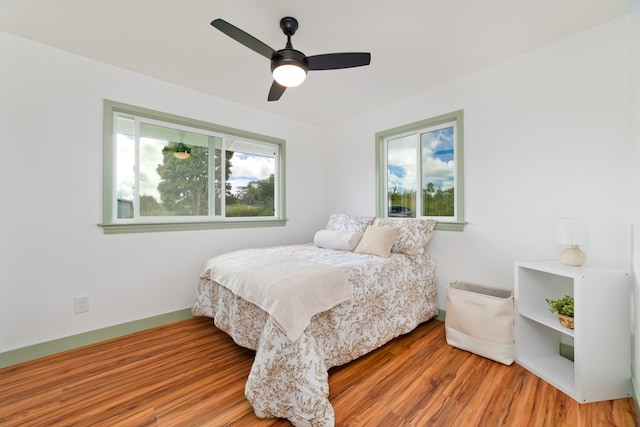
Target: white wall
x,y
634,179
51,174
546,135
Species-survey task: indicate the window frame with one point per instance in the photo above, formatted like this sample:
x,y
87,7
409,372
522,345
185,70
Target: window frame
x,y
111,225
457,117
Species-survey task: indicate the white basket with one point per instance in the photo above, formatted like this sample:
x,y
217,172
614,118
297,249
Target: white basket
x,y
480,319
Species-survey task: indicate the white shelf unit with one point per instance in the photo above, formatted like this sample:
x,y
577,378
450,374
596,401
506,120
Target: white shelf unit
x,y
601,369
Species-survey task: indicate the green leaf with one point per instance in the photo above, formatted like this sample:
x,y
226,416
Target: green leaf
x,y
563,305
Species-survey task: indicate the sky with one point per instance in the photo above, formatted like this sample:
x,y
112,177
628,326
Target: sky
x,y
437,160
248,168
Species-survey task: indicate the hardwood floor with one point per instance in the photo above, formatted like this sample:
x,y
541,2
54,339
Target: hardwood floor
x,y
191,374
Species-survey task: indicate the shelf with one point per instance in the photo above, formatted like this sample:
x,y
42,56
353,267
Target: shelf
x,y
545,318
555,370
554,267
603,371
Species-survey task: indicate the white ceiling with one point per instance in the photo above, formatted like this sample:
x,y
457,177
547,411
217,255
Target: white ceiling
x,y
415,44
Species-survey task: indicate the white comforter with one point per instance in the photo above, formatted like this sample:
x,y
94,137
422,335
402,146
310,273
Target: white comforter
x,y
289,379
291,289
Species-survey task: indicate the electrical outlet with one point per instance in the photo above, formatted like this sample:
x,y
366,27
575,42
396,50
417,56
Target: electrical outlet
x,y
81,304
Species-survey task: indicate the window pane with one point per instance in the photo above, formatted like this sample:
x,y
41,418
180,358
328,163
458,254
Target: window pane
x,y
401,176
216,143
125,167
168,173
174,172
251,179
438,172
420,170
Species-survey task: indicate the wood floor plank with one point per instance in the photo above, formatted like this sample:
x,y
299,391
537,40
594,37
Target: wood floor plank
x,y
191,374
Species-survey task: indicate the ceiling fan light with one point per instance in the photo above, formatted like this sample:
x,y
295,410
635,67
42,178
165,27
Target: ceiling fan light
x,y
181,155
289,75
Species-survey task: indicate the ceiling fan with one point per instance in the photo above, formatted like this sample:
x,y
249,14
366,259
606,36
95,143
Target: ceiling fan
x,y
290,66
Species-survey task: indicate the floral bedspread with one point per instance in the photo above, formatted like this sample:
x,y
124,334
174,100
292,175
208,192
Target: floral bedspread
x,y
390,297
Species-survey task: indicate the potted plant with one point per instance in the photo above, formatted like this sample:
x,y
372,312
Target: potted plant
x,y
564,308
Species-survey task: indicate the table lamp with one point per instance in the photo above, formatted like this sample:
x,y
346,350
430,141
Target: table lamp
x,y
572,232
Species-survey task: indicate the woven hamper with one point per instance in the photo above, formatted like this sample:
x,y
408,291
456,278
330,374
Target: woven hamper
x,y
480,319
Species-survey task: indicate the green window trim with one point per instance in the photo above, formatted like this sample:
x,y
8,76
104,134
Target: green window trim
x,y
188,226
381,196
111,226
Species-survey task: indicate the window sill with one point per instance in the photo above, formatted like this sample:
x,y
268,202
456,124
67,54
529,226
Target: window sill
x,y
450,226
188,226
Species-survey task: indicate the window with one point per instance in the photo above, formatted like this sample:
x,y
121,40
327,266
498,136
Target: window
x,y
419,170
166,173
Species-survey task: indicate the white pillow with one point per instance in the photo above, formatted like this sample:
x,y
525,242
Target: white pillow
x,y
338,240
378,241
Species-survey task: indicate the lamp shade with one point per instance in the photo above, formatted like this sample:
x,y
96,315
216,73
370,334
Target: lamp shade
x,y
572,231
289,75
181,155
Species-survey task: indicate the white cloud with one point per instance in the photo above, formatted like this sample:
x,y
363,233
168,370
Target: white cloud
x,y
257,167
124,167
248,168
150,157
402,162
401,157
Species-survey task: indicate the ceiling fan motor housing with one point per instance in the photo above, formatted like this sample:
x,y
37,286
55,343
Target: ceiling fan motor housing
x,y
289,57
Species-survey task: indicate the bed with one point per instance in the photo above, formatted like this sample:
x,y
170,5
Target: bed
x,y
390,289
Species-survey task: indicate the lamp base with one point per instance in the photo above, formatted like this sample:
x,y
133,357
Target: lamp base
x,y
573,256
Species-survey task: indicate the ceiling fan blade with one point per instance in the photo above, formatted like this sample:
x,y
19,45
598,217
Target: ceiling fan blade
x,y
276,91
334,61
244,38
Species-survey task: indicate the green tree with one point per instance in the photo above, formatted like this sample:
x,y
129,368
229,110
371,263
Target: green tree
x,y
184,185
149,206
259,195
230,198
437,202
406,198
